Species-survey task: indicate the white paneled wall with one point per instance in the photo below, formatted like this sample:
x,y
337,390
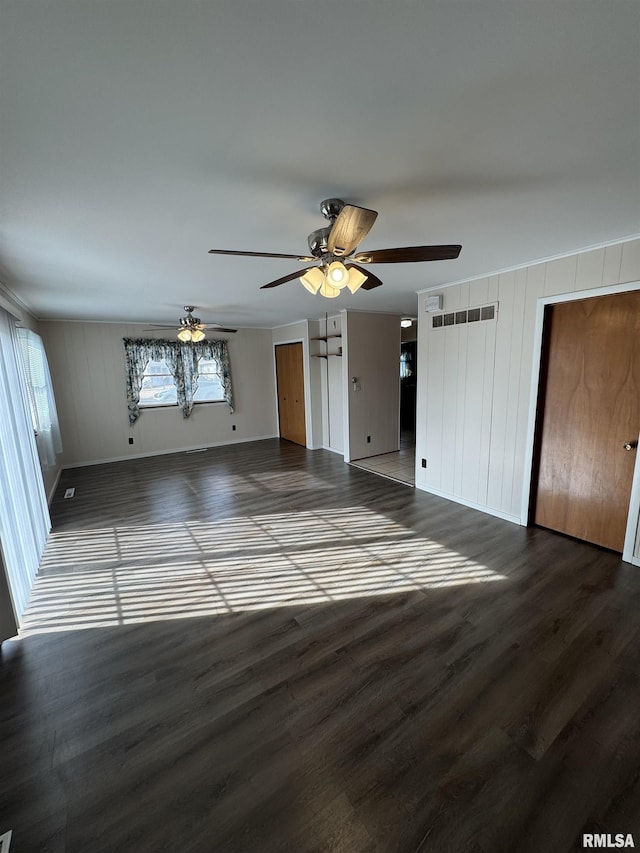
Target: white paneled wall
x,y
88,372
474,380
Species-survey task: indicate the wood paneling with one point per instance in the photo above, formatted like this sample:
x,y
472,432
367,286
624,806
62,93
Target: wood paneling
x,y
591,408
482,698
474,385
290,383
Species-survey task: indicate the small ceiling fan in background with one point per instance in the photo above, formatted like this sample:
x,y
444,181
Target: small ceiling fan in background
x,y
190,328
336,243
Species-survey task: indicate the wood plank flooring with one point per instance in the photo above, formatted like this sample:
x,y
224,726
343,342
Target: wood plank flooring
x,y
260,648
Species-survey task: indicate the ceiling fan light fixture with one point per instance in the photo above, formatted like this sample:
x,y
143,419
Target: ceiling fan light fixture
x,y
184,335
356,280
328,290
197,335
337,275
313,279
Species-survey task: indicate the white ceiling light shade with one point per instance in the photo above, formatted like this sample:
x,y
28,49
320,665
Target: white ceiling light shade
x,y
406,323
337,275
355,280
313,279
329,281
328,290
190,335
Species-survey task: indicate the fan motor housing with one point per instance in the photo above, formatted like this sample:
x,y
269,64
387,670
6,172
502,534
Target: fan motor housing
x,y
318,241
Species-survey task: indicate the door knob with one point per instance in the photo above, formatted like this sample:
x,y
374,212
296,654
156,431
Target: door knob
x,y
630,445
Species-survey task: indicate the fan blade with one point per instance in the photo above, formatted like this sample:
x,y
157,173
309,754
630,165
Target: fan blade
x,y
409,254
284,279
222,329
260,255
372,280
153,326
350,228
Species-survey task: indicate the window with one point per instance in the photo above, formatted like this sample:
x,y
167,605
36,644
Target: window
x,y
42,406
165,372
159,387
210,388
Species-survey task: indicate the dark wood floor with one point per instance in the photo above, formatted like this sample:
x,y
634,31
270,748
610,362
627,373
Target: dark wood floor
x,y
259,648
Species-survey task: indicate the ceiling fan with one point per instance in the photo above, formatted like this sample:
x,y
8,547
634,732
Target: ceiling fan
x,y
190,328
336,243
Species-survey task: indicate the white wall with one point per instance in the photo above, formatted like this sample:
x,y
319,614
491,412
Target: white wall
x,y
88,371
474,381
372,347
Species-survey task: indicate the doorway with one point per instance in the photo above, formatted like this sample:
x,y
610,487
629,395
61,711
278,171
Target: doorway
x,y
290,385
590,417
399,465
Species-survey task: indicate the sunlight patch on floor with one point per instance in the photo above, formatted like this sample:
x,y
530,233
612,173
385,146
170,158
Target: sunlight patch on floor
x,y
127,575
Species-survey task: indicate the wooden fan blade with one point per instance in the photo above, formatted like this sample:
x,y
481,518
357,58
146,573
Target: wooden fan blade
x,y
260,254
350,228
285,278
222,329
409,254
372,280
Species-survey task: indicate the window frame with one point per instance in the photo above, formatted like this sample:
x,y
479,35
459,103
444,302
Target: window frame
x,y
174,403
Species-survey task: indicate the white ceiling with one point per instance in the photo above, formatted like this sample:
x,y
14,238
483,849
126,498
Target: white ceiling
x,y
136,135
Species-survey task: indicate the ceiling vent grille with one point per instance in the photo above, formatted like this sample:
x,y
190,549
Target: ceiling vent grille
x,y
468,315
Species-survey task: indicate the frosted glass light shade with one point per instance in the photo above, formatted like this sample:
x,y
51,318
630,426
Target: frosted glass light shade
x,y
197,335
356,280
329,291
313,279
184,335
337,275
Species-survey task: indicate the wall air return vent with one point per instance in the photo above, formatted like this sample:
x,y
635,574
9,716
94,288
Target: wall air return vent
x,y
468,315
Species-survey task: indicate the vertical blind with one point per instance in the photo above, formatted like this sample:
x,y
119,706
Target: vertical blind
x,y
24,515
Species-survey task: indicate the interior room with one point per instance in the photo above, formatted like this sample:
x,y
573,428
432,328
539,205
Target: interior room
x,y
319,415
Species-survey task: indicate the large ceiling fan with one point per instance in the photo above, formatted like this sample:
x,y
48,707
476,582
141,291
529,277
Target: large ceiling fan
x,y
191,328
336,244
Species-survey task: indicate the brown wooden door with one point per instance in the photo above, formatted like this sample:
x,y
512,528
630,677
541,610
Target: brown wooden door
x,y
290,380
591,409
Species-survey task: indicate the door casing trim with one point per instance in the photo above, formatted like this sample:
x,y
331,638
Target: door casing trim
x,y
633,516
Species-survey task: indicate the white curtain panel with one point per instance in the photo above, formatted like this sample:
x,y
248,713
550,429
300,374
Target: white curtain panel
x,y
24,515
40,395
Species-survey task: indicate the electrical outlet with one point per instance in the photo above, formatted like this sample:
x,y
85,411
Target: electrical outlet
x,y
70,493
424,463
130,441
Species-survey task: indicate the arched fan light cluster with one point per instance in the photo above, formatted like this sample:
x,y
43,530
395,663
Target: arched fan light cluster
x,y
329,280
191,329
338,243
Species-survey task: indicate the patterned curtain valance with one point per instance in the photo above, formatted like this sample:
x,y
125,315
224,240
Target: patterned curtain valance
x,y
182,359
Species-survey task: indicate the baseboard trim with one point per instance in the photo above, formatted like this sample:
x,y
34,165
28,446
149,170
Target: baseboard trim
x,y
333,450
505,516
53,488
166,452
